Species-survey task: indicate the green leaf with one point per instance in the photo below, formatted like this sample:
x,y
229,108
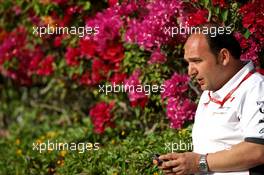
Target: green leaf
x,y
224,15
247,34
87,6
217,10
206,2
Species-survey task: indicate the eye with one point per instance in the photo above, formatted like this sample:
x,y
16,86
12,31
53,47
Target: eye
x,y
197,61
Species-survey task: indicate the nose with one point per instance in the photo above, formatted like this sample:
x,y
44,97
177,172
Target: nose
x,y
192,71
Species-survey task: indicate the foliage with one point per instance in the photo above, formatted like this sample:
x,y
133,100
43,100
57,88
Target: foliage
x,y
126,152
50,83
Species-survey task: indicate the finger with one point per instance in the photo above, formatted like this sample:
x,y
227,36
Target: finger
x,y
176,169
180,173
170,164
168,172
169,156
163,168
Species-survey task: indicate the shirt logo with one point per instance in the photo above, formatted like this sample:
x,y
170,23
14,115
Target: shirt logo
x,y
221,110
261,131
261,109
261,120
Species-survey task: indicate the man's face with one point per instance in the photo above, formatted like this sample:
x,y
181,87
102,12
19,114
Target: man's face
x,y
202,62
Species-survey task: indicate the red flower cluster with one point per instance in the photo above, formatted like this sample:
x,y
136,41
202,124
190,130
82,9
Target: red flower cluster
x,y
88,48
250,48
104,49
101,116
195,17
19,62
45,67
220,3
72,55
253,19
103,62
109,60
39,64
112,2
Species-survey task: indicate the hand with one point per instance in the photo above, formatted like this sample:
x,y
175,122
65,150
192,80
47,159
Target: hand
x,y
180,163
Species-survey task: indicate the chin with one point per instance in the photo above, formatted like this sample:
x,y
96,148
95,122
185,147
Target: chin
x,y
203,88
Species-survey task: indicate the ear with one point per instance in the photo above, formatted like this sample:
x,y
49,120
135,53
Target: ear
x,y
225,56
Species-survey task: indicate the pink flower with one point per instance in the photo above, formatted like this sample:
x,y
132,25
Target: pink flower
x,y
179,111
108,24
155,16
17,9
126,8
137,96
252,52
101,116
157,57
250,48
175,86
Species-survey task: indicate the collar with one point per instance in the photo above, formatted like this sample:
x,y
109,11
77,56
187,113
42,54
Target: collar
x,y
223,94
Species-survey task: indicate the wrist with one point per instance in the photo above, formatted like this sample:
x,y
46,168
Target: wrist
x,y
203,164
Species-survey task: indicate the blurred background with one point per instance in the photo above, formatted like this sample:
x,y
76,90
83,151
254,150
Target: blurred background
x,y
56,55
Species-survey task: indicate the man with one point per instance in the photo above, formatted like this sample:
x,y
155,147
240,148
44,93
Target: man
x,y
228,132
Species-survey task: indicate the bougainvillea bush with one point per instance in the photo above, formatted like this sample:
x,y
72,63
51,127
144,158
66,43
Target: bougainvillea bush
x,y
108,72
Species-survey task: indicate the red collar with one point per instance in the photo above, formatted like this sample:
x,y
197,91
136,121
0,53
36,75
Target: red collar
x,y
228,96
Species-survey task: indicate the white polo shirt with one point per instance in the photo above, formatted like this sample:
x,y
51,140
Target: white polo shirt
x,y
230,115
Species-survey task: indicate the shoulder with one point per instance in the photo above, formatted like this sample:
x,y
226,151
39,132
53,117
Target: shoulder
x,y
204,97
255,86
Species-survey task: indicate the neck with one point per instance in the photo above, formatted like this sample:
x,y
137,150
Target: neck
x,y
236,67
230,71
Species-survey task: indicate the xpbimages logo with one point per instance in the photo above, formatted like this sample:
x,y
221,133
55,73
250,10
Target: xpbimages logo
x,y
116,88
58,30
185,30
81,147
178,146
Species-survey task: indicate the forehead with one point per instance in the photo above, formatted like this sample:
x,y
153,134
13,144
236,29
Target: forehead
x,y
195,46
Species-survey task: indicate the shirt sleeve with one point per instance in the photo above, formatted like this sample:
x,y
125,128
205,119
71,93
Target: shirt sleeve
x,y
252,115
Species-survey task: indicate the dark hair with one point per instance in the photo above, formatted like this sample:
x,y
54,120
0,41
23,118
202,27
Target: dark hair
x,y
218,41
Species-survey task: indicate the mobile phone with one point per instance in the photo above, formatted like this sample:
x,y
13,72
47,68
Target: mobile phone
x,y
156,160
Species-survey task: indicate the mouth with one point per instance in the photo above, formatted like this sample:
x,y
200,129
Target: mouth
x,y
200,81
